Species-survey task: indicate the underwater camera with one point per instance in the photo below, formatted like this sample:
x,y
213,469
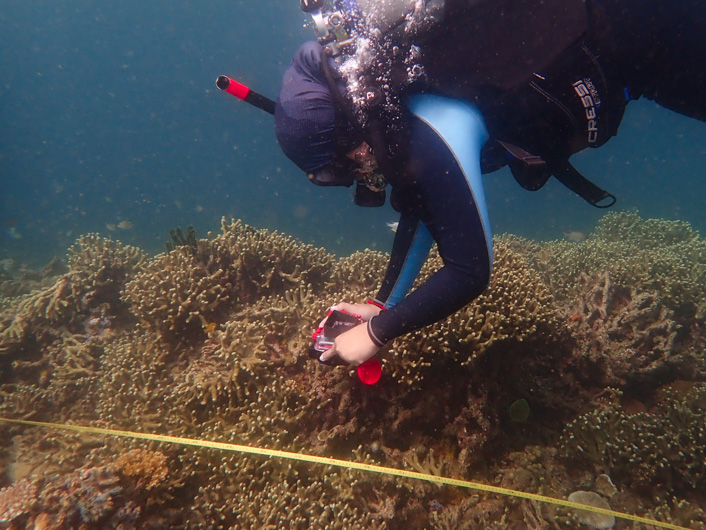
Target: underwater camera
x,y
336,323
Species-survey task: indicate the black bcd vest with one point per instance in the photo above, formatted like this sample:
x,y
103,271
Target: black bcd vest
x,y
541,74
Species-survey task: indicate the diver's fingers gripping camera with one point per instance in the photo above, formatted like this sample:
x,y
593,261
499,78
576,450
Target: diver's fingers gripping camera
x,y
336,322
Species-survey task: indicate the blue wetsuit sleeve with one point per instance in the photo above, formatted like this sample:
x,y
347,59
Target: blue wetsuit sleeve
x,y
409,252
444,203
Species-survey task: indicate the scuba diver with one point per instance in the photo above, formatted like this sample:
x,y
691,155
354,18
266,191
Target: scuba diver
x,y
427,95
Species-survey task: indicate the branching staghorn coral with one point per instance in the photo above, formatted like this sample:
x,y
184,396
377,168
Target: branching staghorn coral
x,y
653,255
360,273
133,381
14,331
665,447
276,331
289,502
175,294
628,336
53,304
516,308
180,292
98,270
76,357
269,262
243,376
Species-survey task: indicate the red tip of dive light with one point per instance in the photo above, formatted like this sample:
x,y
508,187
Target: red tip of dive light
x,y
370,371
226,84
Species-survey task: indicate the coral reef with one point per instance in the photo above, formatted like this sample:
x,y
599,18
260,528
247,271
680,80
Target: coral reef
x,y
17,280
628,336
147,468
360,273
681,513
181,292
653,255
91,497
664,447
210,340
517,308
90,290
98,269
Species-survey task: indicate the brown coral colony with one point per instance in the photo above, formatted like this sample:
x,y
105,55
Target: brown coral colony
x,y
601,341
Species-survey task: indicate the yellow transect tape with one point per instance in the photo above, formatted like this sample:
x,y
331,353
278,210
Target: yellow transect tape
x,y
344,464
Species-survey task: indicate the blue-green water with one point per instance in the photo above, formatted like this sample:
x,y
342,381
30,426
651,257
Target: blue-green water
x,y
109,113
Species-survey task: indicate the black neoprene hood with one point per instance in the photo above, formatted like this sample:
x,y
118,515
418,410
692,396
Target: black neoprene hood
x,y
305,117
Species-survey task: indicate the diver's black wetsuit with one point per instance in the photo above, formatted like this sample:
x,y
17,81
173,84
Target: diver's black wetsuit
x,y
518,60
661,47
437,200
525,84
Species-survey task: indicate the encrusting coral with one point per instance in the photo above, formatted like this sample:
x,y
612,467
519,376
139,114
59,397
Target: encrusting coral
x,y
221,353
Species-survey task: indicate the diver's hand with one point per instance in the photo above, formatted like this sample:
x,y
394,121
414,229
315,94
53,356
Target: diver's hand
x,y
354,346
364,311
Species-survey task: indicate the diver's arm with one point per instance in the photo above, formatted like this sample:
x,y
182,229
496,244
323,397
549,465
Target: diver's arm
x,y
409,252
448,195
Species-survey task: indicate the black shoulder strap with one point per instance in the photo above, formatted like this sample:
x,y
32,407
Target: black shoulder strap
x,y
532,172
569,176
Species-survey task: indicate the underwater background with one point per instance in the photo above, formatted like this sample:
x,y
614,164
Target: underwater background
x,y
109,113
579,374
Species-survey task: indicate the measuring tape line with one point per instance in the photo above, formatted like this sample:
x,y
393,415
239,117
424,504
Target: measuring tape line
x,y
273,453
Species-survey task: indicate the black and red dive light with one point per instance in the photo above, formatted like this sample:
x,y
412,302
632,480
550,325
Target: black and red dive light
x,y
240,91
